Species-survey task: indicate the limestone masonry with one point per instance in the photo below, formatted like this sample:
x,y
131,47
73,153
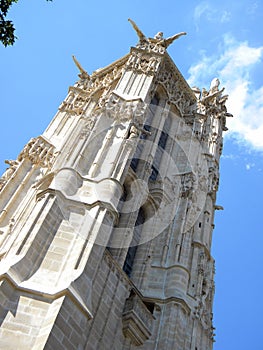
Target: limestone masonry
x,y
106,219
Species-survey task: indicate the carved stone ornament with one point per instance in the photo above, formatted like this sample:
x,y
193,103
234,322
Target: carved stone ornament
x,y
176,87
187,184
75,102
99,80
205,293
143,62
80,94
137,320
213,179
89,124
158,44
39,151
212,102
122,108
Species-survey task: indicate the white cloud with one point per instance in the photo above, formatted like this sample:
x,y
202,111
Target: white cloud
x,y
206,11
252,9
200,9
225,17
234,67
250,165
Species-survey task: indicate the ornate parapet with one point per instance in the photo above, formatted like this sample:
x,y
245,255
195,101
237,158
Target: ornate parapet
x,y
137,320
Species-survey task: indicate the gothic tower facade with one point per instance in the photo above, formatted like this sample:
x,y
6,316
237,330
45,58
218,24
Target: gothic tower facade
x,y
106,219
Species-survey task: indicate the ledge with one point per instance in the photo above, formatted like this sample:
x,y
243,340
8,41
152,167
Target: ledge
x,y
70,292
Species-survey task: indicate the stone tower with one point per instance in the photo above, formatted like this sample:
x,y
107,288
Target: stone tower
x,y
106,219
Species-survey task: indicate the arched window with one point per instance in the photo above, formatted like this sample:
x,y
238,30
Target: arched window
x,y
128,263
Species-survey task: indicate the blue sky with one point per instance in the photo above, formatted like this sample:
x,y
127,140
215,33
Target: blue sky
x,y
224,39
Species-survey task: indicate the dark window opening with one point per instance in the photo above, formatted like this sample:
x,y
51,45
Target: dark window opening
x,y
127,267
128,264
163,140
155,100
134,163
144,135
154,173
154,103
149,305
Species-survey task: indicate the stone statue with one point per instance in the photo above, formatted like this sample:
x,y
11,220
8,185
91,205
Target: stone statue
x,y
214,86
140,34
133,132
83,74
159,39
10,171
168,41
